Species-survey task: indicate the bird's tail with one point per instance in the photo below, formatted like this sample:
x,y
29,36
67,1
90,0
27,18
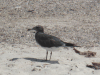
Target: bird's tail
x,y
71,45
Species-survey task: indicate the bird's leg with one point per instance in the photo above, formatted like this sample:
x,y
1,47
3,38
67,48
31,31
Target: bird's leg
x,y
50,54
46,55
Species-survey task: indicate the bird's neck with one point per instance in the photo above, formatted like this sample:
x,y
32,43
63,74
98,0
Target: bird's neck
x,y
38,33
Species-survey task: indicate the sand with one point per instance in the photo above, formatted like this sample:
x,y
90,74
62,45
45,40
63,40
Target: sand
x,y
21,59
75,21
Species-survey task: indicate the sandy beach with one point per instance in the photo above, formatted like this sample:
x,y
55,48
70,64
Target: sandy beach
x,y
75,21
22,59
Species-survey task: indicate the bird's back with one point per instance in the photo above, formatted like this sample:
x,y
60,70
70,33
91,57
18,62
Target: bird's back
x,y
46,40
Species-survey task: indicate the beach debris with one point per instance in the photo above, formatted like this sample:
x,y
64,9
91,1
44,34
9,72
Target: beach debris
x,y
94,65
86,53
34,69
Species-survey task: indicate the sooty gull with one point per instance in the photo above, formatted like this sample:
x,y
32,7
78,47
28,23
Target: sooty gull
x,y
49,42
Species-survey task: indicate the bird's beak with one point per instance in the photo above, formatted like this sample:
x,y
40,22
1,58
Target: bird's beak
x,y
31,29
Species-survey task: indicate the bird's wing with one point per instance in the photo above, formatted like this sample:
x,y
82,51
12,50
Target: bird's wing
x,y
48,40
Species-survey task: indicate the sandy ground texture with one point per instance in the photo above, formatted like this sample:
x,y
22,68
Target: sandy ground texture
x,y
74,21
21,59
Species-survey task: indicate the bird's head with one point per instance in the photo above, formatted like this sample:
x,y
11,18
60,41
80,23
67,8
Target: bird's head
x,y
37,28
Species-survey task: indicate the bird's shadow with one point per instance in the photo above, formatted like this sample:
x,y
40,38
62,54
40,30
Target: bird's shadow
x,y
37,60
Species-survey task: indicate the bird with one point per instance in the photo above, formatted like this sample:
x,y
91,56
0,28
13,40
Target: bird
x,y
49,41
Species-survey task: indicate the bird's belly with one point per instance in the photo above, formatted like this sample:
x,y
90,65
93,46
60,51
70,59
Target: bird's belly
x,y
53,48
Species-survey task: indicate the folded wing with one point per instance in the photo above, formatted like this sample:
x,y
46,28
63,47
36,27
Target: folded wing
x,y
46,40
